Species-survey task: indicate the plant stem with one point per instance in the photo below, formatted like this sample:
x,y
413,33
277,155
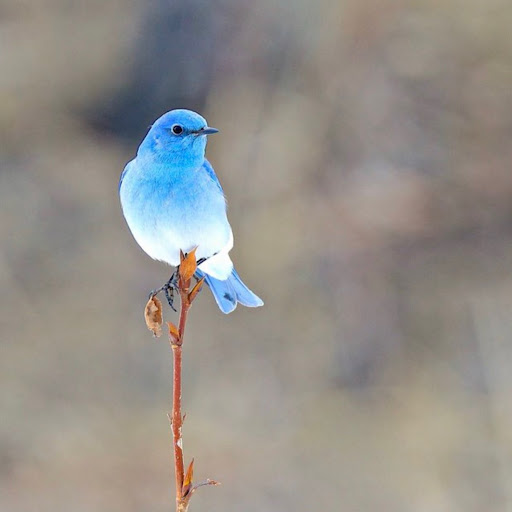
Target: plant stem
x,y
177,421
176,415
153,315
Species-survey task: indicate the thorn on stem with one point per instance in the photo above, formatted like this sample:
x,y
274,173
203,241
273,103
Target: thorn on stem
x,y
208,481
197,288
174,334
187,482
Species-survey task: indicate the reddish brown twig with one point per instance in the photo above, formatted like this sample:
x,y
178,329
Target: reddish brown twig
x,y
184,486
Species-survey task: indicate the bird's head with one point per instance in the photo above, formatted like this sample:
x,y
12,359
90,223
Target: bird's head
x,y
179,134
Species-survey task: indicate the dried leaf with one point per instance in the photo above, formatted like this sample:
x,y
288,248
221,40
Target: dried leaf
x,y
187,482
174,334
197,288
188,265
153,316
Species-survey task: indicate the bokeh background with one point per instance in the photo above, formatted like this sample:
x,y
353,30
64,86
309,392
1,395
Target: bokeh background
x,y
365,149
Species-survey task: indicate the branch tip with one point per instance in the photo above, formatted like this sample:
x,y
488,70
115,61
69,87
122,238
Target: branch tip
x,y
188,266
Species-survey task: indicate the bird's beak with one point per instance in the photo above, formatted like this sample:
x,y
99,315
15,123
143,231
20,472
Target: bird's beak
x,y
207,130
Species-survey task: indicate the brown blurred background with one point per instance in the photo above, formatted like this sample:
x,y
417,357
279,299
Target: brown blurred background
x,y
365,150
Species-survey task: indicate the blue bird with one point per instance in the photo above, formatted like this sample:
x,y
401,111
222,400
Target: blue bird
x,y
172,200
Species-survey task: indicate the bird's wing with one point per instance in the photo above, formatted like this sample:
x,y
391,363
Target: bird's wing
x,y
123,174
209,170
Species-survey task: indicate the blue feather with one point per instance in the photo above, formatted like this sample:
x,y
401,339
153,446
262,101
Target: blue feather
x,y
231,291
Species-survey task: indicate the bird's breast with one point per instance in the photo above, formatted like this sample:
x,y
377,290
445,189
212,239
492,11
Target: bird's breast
x,y
169,210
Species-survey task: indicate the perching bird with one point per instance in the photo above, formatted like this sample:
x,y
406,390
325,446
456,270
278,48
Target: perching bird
x,y
172,201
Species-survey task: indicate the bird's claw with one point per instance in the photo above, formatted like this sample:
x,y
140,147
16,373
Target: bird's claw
x,y
168,289
171,285
169,295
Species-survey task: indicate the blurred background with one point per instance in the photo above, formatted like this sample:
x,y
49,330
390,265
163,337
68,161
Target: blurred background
x,y
365,149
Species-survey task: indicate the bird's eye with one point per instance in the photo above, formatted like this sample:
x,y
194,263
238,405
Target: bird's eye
x,y
177,129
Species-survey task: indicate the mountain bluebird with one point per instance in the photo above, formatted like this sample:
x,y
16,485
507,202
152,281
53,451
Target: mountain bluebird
x,y
172,201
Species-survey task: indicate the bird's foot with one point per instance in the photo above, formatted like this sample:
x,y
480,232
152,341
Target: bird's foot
x,y
171,285
168,289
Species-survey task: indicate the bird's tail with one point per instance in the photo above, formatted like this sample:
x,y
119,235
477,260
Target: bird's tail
x,y
231,291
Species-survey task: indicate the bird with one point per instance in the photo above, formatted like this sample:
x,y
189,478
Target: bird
x,y
173,201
